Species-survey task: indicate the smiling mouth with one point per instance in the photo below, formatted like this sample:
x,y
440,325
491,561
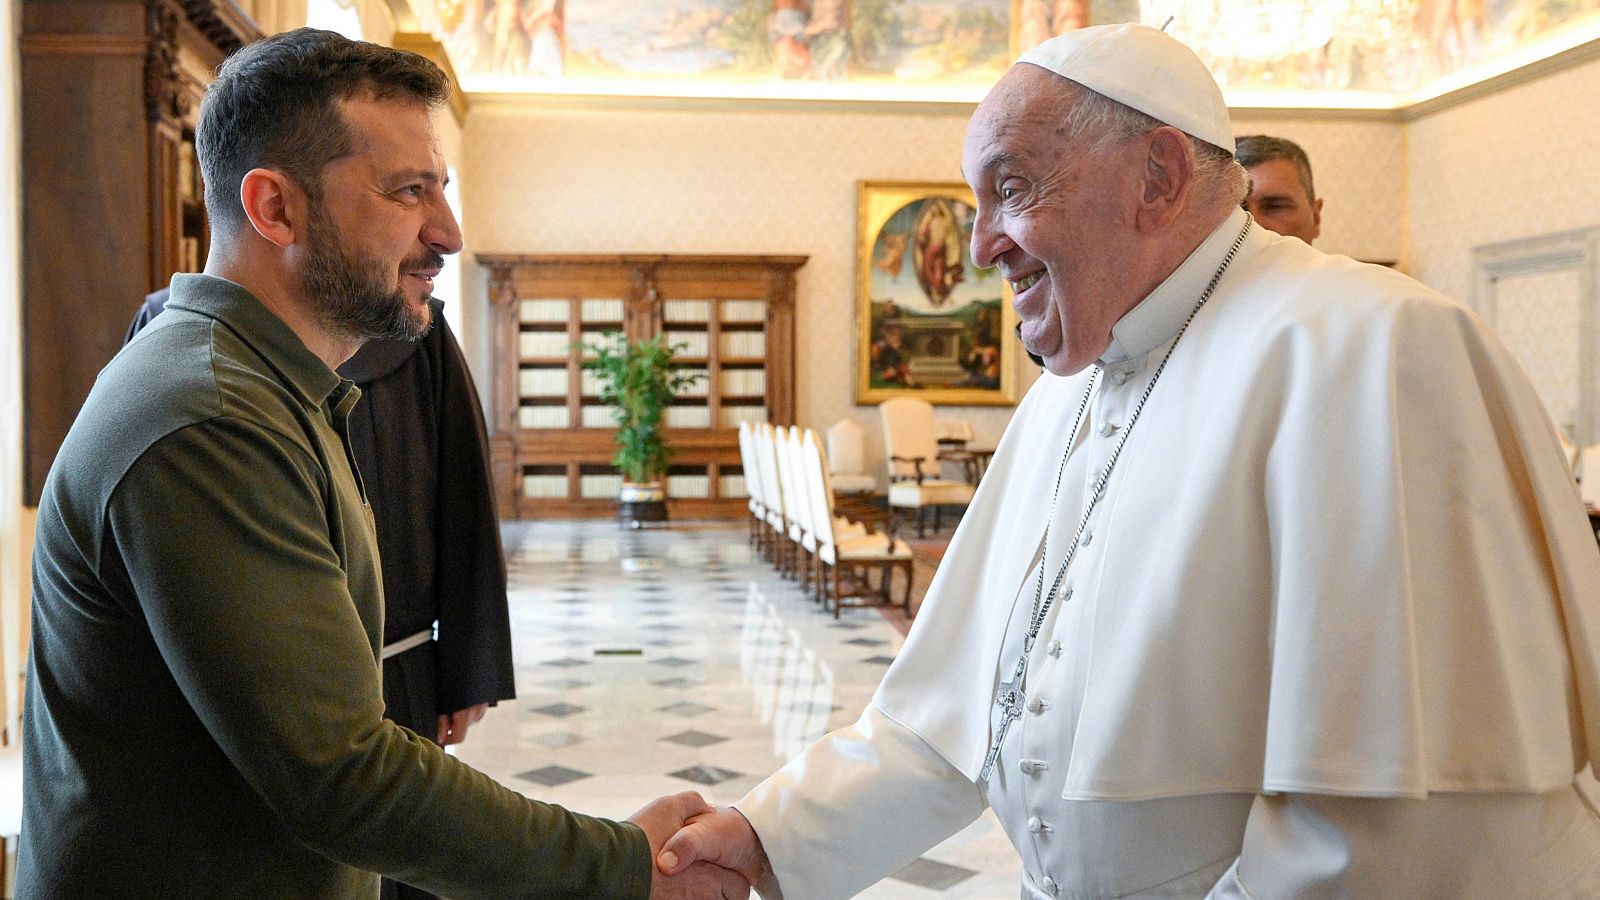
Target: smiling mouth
x,y
1026,282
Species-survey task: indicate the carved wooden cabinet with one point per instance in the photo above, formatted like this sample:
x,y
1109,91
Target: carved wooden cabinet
x,y
552,441
110,190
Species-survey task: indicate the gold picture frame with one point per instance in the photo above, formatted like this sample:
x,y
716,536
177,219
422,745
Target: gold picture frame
x,y
929,323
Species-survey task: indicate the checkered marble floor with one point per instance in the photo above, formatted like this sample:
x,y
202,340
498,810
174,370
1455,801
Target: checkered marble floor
x,y
659,660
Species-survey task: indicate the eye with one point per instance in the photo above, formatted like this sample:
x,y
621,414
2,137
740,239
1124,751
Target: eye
x,y
1010,188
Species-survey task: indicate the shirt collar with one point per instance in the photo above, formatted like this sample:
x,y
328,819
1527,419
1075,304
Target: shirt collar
x,y
1159,316
257,326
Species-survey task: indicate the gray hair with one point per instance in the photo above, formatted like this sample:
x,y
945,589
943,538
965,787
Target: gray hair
x,y
1107,124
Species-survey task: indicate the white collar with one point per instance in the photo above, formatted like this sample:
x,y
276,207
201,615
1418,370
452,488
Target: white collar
x,y
1157,318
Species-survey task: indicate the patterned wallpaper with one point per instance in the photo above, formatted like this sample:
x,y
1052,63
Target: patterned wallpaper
x,y
1539,317
1359,170
1515,164
783,181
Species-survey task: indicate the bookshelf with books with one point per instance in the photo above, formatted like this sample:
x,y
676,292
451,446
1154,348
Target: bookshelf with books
x,y
109,93
732,319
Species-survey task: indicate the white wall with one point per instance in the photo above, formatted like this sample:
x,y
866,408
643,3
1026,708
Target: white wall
x,y
1359,166
1519,163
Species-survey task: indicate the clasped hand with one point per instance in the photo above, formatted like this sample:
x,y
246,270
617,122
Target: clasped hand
x,y
700,851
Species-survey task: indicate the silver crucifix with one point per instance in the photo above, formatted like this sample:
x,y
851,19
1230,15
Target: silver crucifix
x,y
1009,699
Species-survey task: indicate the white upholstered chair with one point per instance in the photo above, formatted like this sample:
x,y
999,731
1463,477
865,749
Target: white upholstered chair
x,y
752,482
915,479
838,551
847,459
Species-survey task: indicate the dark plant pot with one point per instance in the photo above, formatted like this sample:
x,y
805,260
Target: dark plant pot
x,y
638,504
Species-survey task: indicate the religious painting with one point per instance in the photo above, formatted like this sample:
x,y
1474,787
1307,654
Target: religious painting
x,y
931,40
674,39
1035,21
518,38
929,323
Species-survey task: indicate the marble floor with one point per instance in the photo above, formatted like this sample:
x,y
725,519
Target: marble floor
x,y
660,660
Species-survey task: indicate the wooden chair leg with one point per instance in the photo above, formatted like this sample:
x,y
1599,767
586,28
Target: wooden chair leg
x,y
838,597
936,511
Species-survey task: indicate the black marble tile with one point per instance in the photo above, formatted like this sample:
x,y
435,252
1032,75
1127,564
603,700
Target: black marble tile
x,y
553,776
706,775
693,738
559,710
686,708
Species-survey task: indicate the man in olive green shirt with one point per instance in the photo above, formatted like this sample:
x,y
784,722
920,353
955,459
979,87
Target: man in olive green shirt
x,y
204,714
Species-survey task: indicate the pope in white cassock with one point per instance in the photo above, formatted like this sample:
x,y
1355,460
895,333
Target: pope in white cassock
x,y
1277,587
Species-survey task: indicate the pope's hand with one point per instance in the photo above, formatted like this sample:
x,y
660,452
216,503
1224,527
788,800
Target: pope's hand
x,y
660,820
723,838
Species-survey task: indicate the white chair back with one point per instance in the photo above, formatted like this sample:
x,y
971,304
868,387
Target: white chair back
x,y
801,508
820,495
1589,464
908,433
847,454
752,474
767,462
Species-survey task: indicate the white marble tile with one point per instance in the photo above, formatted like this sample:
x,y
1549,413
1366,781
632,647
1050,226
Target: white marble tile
x,y
716,628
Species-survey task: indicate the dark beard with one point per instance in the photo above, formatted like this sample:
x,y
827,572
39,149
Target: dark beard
x,y
351,296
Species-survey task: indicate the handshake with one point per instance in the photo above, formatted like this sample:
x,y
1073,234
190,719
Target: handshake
x,y
700,851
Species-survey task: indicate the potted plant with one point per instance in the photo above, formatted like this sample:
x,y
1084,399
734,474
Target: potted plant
x,y
638,381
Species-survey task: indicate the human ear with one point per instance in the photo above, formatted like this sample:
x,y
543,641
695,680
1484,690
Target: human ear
x,y
1168,176
274,205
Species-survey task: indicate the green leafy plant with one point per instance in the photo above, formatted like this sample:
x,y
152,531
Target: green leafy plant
x,y
638,381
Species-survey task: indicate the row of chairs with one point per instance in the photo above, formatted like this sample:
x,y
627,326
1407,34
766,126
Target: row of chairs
x,y
794,522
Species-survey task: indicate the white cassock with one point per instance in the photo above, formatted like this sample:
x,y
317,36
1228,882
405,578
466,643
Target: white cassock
x,y
1332,630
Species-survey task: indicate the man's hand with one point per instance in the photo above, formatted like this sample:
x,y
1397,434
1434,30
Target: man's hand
x,y
723,838
662,819
453,727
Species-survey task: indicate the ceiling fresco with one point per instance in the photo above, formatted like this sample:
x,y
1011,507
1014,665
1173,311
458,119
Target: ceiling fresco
x,y
1298,53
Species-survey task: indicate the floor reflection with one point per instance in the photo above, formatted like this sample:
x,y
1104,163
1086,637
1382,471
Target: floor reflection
x,y
737,671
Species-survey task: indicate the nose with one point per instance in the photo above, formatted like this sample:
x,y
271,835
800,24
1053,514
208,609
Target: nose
x,y
441,232
989,240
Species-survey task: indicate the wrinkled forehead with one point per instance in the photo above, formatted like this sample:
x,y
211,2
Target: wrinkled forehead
x,y
1023,117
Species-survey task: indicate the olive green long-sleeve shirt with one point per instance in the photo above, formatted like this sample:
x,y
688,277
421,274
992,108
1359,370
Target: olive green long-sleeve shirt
x,y
204,714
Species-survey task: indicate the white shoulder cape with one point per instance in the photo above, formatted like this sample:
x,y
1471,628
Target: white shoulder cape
x,y
1342,555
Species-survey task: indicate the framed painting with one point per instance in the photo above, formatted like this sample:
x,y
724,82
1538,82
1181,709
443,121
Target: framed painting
x,y
929,323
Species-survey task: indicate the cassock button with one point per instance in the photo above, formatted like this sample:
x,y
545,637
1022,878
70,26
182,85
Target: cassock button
x,y
1107,429
1030,766
1037,705
1034,824
1119,377
1087,537
1053,648
1049,885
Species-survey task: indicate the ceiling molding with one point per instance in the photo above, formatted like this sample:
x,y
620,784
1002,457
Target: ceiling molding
x,y
634,103
425,46
1550,65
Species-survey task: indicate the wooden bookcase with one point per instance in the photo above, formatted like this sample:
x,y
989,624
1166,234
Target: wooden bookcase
x,y
110,90
552,438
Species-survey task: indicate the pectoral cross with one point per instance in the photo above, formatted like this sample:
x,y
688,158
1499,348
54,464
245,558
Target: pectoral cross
x,y
1008,698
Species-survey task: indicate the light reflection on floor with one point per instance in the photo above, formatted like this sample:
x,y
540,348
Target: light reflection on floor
x,y
660,660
